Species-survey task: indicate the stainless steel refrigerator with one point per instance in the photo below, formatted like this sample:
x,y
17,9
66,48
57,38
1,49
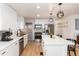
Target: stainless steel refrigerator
x,y
30,30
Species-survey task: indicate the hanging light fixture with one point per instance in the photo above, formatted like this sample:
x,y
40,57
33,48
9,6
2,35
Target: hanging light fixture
x,y
60,13
51,17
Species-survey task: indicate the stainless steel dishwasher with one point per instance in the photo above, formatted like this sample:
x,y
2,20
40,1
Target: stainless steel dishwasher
x,y
21,45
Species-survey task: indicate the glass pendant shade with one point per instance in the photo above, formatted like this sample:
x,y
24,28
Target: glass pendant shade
x,y
50,18
60,14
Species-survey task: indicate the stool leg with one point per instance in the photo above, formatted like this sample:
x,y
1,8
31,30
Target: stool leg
x,y
69,53
75,52
41,53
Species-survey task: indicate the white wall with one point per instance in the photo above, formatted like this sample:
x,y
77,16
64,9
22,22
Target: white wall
x,y
72,33
60,25
8,18
67,27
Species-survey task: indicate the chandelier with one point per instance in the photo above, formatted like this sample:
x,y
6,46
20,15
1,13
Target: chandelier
x,y
60,13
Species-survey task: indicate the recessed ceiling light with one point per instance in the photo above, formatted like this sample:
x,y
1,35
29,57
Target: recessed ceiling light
x,y
38,15
38,7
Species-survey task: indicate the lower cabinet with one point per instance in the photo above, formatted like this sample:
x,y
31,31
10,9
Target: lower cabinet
x,y
15,49
12,50
54,49
4,52
25,40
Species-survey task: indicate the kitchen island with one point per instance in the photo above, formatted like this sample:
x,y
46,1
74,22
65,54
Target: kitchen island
x,y
55,46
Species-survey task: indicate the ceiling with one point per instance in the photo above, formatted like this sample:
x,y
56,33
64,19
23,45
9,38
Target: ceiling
x,y
29,10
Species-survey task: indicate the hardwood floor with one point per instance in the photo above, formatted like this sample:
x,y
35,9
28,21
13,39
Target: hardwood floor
x,y
34,48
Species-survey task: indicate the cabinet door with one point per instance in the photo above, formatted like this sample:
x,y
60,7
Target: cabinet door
x,y
3,52
7,51
12,50
56,50
25,40
15,49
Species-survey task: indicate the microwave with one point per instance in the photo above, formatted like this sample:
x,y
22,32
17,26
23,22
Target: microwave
x,y
38,26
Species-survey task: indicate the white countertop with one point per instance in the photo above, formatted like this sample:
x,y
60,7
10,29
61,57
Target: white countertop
x,y
55,40
4,44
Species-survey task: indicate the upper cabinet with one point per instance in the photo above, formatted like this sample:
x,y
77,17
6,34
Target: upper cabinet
x,y
8,17
41,21
21,23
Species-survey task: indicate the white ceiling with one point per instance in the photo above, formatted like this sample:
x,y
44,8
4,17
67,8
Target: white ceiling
x,y
29,9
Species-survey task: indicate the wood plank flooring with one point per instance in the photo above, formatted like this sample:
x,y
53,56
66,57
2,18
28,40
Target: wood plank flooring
x,y
34,48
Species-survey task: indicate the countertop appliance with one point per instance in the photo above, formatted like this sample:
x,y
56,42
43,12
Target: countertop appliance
x,y
6,36
21,45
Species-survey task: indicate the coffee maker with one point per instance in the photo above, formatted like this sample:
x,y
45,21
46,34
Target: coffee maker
x,y
6,36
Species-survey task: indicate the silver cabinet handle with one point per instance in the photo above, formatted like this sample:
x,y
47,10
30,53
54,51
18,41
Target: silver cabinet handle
x,y
4,52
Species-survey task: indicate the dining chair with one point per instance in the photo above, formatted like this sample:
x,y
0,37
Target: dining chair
x,y
72,47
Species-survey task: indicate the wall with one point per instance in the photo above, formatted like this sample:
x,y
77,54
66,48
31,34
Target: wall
x,y
8,18
72,33
67,27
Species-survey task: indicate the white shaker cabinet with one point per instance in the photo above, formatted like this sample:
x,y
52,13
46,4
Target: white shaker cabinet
x,y
8,18
53,50
12,50
15,49
25,40
3,52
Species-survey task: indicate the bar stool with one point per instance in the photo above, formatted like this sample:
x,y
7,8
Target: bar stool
x,y
72,47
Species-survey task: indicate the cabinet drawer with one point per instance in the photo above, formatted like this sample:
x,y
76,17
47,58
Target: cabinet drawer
x,y
12,50
3,52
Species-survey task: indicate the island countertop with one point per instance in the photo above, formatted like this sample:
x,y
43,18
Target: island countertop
x,y
55,40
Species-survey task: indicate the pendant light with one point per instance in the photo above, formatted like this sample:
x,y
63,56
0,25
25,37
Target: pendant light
x,y
60,13
51,17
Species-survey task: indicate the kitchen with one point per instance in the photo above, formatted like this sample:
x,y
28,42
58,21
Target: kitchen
x,y
27,26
